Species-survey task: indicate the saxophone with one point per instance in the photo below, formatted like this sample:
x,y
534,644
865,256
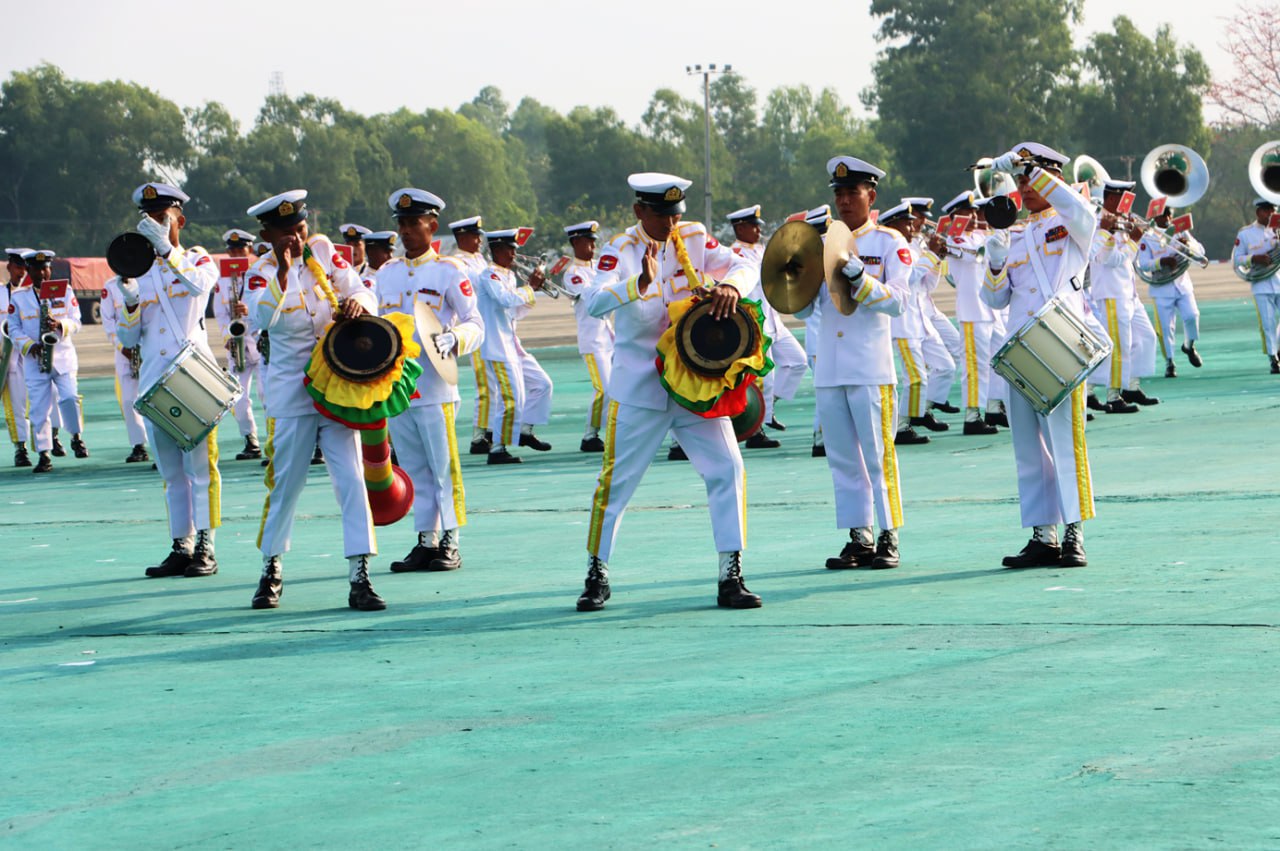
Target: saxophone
x,y
48,338
236,328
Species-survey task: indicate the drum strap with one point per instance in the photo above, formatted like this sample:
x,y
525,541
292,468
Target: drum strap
x,y
1037,263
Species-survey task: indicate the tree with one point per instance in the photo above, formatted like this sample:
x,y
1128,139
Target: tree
x,y
1252,96
959,79
489,108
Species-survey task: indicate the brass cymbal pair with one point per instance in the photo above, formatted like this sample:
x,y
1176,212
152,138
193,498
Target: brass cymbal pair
x,y
796,262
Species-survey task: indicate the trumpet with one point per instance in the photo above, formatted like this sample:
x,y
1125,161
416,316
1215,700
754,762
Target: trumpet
x,y
929,230
525,266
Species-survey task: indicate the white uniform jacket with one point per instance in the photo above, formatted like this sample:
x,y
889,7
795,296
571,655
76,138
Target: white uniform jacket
x,y
922,280
25,331
502,301
304,314
858,349
640,319
1151,252
1111,266
442,284
113,308
1061,237
183,281
594,335
1256,239
968,271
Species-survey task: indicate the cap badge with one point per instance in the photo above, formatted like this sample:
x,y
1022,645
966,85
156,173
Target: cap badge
x,y
842,170
41,257
1024,152
404,201
391,240
351,231
673,194
149,192
595,227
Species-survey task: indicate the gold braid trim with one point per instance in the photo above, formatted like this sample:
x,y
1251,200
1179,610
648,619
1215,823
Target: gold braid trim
x,y
682,255
322,279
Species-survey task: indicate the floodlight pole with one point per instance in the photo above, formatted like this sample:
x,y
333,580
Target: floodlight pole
x,y
695,71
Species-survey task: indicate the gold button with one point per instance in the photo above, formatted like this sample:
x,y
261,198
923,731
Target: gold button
x,y
1033,289
163,352
164,330
839,333
1031,313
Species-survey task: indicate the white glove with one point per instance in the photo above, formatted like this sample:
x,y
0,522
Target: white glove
x,y
445,341
853,269
157,234
129,289
997,250
1007,162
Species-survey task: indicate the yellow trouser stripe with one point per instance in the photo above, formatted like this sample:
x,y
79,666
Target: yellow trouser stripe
x,y
482,391
1084,482
215,482
1117,353
914,378
508,403
268,478
1164,351
601,501
888,428
970,365
597,402
455,465
10,420
1261,331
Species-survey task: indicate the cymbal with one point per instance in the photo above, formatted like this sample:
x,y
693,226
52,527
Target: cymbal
x,y
446,366
791,269
841,245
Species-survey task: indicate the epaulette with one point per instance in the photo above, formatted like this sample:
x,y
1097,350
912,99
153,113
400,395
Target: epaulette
x,y
452,261
691,228
622,240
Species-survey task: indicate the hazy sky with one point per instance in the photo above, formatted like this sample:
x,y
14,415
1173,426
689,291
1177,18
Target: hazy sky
x,y
378,56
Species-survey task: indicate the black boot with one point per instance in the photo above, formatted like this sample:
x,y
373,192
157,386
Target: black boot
x,y
448,558
58,451
979,427
886,551
502,456
1189,349
78,447
419,558
480,446
930,422
1091,402
202,561
317,457
591,444
819,450
138,455
854,554
174,564
946,407
270,586
20,456
1035,554
44,464
1072,549
776,425
531,440
596,591
362,595
1275,365
251,449
732,593
1119,406
907,436
760,440
1138,397
676,453
996,418
1170,371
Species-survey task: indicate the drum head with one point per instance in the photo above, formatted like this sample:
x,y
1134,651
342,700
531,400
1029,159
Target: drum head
x,y
362,349
709,346
130,255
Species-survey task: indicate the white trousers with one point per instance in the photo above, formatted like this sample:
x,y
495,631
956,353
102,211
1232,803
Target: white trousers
x,y
911,401
1054,485
126,395
1115,372
600,371
858,429
997,387
789,363
632,436
1268,320
243,408
14,400
480,411
1168,308
427,448
41,388
519,394
192,485
977,362
290,450
939,361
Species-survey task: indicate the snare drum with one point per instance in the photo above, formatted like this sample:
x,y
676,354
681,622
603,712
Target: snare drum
x,y
189,398
1050,356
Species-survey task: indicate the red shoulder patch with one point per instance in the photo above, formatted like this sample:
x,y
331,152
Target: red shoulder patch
x,y
465,286
75,302
1237,240
104,293
607,263
217,288
494,276
904,254
13,308
737,250
712,242
339,262
368,283
205,258
576,279
257,282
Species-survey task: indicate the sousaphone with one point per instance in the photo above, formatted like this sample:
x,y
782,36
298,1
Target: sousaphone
x,y
841,245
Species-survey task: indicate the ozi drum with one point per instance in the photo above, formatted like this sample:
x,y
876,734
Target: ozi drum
x,y
1050,356
189,398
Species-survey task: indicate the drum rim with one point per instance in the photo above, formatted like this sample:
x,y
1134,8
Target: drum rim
x,y
705,367
371,374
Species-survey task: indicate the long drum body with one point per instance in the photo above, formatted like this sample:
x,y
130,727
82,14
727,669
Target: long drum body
x,y
1050,356
189,398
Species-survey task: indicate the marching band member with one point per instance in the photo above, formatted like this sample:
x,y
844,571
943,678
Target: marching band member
x,y
997,387
467,234
231,290
163,316
1174,299
977,320
295,291
14,397
854,376
942,344
820,218
520,389
354,235
643,269
380,248
127,368
907,332
789,360
1111,280
1255,243
26,327
595,336
1042,260
424,435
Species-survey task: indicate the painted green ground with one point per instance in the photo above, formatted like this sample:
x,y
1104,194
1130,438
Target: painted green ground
x,y
946,704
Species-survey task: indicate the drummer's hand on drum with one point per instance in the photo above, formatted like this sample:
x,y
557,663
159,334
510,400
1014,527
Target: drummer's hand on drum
x,y
445,342
649,270
724,301
351,308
